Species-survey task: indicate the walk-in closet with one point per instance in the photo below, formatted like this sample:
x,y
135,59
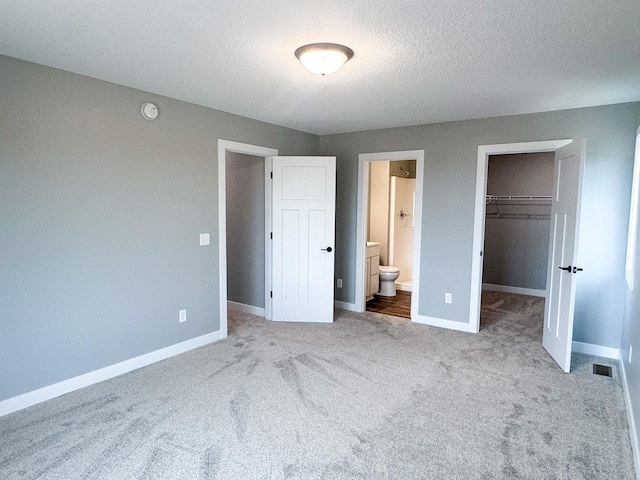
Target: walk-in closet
x,y
517,222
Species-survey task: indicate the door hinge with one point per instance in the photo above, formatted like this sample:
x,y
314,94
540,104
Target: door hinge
x,y
272,175
271,294
271,235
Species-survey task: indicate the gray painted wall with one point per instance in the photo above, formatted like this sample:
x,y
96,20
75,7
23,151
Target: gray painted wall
x,y
101,212
448,206
245,229
631,336
516,238
100,215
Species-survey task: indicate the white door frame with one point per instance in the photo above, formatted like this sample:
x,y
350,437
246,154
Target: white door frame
x,y
484,151
225,146
361,221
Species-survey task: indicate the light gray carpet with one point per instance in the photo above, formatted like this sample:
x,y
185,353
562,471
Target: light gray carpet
x,y
369,397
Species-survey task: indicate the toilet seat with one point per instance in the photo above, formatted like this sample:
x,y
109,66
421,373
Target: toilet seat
x,y
386,269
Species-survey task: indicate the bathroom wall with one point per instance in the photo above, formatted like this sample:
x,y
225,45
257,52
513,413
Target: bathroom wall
x,y
379,207
516,242
401,229
245,229
400,167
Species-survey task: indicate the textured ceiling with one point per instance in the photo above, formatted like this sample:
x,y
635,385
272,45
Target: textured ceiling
x,y
415,61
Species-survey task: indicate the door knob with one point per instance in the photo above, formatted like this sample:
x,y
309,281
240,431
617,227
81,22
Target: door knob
x,y
576,269
566,269
328,249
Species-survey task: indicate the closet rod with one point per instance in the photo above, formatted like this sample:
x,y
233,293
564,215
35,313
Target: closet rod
x,y
537,216
518,197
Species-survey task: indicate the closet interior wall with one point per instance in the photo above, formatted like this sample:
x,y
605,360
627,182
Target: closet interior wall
x,y
518,220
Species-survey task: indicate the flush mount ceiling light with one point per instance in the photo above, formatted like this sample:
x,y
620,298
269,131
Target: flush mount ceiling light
x,y
323,58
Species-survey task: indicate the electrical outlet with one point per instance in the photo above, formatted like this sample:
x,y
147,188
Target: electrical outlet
x,y
630,352
182,316
339,283
448,298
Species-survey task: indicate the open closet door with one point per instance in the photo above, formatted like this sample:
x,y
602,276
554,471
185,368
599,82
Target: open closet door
x,y
304,192
563,249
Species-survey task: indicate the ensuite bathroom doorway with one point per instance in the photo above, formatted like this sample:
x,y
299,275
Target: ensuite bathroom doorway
x,y
390,236
374,236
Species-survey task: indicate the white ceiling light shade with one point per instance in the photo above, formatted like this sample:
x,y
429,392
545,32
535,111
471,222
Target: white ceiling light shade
x,y
323,58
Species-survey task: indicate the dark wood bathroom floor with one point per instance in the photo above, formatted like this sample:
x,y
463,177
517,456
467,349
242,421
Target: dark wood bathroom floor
x,y
398,306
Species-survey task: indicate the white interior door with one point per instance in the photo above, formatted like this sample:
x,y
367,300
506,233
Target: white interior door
x,y
563,250
303,238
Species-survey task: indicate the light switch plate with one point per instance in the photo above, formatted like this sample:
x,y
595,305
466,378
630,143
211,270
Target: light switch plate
x,y
205,239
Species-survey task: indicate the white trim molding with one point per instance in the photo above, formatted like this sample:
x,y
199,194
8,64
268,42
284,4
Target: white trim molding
x,y
244,308
597,350
351,307
633,432
517,290
442,323
66,386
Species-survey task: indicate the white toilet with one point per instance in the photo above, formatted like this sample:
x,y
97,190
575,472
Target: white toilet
x,y
388,276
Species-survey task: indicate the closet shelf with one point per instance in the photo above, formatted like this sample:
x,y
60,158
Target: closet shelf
x,y
525,206
519,199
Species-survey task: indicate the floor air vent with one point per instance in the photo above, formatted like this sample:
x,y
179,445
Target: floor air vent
x,y
601,370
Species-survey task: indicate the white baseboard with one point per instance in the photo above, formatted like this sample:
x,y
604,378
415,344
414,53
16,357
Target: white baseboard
x,y
404,288
351,307
241,307
597,350
517,290
633,433
439,322
66,386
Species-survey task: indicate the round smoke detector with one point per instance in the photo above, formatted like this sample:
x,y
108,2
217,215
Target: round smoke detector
x,y
149,111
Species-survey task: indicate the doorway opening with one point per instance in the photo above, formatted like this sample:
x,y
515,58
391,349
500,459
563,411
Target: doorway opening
x,y
484,152
245,180
517,225
569,161
250,156
388,232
